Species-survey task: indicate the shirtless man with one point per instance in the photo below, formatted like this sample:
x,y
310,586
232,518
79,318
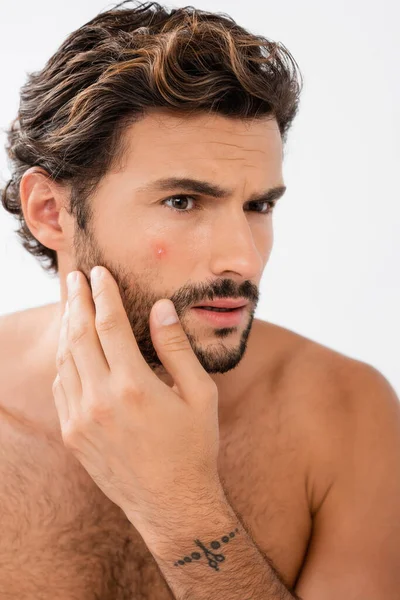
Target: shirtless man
x,y
306,441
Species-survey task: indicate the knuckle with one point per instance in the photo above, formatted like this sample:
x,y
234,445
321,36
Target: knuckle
x,y
129,389
106,322
96,406
73,296
100,289
76,331
100,412
176,343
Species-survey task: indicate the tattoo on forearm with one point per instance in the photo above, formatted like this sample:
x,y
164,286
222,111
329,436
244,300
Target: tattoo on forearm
x,y
213,559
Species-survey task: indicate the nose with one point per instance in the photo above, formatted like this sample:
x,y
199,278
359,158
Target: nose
x,y
238,246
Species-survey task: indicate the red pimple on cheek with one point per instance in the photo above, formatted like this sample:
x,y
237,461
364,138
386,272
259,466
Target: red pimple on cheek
x,y
160,251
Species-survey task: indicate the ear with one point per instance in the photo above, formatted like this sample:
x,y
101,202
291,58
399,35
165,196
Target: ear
x,y
43,205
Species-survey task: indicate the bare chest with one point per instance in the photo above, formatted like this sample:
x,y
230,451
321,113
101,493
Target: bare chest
x,y
66,540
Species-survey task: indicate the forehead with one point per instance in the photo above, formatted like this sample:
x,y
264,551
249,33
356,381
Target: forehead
x,y
164,140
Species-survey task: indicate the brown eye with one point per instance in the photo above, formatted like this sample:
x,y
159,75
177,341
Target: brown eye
x,y
178,200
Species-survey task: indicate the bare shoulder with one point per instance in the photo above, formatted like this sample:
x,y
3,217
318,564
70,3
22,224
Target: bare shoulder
x,y
22,367
335,383
349,415
334,400
325,377
20,329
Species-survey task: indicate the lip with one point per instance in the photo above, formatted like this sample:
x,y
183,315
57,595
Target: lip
x,y
220,319
225,303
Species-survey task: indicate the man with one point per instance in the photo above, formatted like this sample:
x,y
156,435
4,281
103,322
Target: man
x,y
214,455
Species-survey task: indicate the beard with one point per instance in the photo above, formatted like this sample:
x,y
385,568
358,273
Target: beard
x,y
138,298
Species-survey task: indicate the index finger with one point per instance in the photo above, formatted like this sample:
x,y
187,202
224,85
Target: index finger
x,y
113,327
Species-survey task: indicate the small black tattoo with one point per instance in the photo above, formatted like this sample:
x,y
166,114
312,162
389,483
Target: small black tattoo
x,y
213,559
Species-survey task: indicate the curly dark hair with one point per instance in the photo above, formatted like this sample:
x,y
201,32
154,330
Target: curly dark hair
x,y
105,75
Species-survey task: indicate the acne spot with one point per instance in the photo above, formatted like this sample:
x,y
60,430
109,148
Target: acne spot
x,y
160,251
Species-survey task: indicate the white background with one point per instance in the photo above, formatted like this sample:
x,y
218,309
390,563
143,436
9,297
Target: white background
x,y
333,275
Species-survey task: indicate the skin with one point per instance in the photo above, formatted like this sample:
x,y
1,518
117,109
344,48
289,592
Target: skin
x,y
130,431
314,468
183,257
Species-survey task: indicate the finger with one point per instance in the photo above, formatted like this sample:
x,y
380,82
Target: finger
x,y
175,352
83,340
114,329
67,372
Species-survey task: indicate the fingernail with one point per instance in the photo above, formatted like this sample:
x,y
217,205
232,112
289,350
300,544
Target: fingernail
x,y
166,314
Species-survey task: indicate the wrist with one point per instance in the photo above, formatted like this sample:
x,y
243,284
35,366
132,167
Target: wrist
x,y
208,514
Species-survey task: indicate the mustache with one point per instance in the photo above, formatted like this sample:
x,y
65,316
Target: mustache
x,y
225,288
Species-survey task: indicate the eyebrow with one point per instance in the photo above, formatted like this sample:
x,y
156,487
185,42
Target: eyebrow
x,y
209,189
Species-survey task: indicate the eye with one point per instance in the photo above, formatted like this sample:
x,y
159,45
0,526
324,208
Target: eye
x,y
269,206
183,198
180,198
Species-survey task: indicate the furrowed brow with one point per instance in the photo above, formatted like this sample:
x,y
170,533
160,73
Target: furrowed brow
x,y
209,189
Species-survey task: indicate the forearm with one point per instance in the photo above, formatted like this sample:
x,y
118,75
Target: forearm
x,y
215,558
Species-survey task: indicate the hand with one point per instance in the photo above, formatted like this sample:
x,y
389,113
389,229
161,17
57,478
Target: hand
x,y
152,449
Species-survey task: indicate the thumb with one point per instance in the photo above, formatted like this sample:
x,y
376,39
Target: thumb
x,y
175,352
